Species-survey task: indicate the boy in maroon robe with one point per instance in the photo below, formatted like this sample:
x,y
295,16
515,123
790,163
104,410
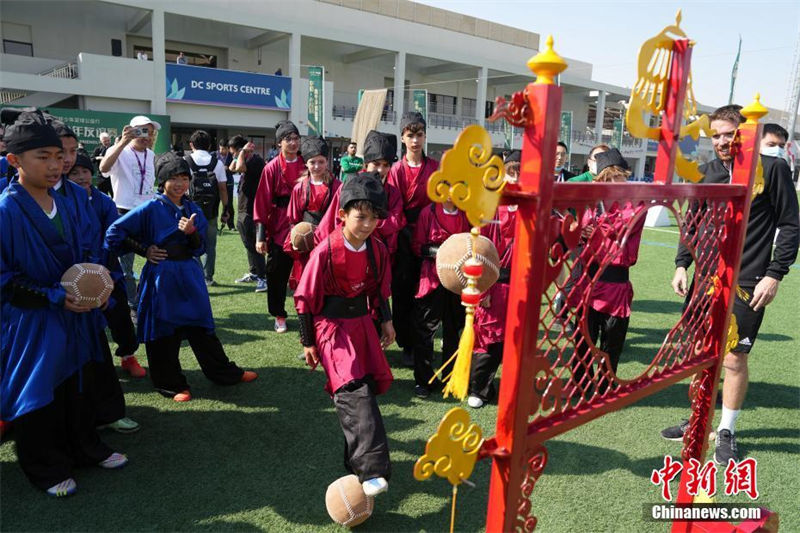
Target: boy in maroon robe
x,y
310,199
380,151
433,304
272,222
344,287
410,176
490,316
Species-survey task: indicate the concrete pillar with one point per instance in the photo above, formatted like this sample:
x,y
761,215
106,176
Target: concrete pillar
x,y
598,120
158,104
480,105
294,73
399,90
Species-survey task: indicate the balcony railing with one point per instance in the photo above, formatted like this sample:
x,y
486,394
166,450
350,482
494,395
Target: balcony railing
x,y
588,138
349,112
67,71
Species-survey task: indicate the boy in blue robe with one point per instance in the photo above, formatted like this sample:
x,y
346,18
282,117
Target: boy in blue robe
x,y
173,298
46,338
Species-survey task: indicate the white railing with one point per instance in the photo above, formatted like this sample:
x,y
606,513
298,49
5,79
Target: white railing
x,y
7,97
68,71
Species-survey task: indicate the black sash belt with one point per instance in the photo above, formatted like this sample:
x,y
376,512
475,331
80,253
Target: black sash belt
x,y
611,274
340,307
281,201
412,215
177,252
313,217
505,275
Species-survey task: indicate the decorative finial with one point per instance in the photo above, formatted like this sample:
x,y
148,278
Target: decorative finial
x,y
754,111
547,64
678,18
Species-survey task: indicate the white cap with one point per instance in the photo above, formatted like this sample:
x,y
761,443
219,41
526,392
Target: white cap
x,y
141,120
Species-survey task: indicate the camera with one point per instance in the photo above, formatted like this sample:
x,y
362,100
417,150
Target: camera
x,y
141,132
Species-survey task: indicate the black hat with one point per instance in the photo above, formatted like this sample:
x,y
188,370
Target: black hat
x,y
514,156
380,146
364,186
62,129
610,158
170,164
29,130
411,117
314,146
285,128
82,160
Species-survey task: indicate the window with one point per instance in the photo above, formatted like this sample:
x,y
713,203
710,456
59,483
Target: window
x,y
17,48
192,58
468,106
442,104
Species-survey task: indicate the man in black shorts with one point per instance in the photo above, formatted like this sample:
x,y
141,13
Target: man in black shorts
x,y
761,268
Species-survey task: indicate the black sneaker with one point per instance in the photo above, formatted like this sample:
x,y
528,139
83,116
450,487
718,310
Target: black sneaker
x,y
421,391
725,447
675,432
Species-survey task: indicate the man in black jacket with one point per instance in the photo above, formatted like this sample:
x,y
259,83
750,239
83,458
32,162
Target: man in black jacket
x,y
761,269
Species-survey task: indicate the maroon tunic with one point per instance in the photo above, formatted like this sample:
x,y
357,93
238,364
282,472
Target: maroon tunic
x,y
277,181
490,320
434,226
607,297
387,229
412,182
349,348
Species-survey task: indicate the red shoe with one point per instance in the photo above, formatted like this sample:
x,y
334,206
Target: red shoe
x,y
248,376
183,396
132,367
5,425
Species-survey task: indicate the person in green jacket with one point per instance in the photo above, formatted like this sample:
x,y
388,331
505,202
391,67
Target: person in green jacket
x,y
592,172
351,164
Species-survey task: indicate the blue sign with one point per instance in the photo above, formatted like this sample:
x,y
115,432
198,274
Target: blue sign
x,y
202,85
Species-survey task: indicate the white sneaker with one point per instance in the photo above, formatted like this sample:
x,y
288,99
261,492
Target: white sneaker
x,y
475,402
115,460
67,487
280,325
375,486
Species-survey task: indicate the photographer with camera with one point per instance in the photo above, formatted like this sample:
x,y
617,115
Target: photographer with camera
x,y
207,188
131,164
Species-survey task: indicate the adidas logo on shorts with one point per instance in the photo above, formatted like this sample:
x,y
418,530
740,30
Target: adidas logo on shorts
x,y
746,342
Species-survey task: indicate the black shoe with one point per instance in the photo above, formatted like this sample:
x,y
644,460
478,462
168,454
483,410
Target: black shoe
x,y
725,447
421,392
675,432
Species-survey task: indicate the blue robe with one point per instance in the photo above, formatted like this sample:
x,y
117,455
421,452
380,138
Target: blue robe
x,y
172,293
88,224
105,211
40,347
3,184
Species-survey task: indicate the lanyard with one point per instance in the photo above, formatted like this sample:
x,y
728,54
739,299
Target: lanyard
x,y
142,168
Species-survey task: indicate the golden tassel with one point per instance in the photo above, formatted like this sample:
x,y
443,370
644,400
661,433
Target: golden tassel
x,y
458,380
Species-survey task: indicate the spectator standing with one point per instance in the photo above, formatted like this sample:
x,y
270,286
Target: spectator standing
x,y
224,155
181,59
351,164
103,181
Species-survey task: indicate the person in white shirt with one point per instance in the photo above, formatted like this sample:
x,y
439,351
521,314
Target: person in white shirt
x,y
207,169
131,164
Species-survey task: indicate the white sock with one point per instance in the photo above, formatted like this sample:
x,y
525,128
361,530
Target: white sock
x,y
728,420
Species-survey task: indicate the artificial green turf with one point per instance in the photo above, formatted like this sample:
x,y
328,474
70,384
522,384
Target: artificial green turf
x,y
259,456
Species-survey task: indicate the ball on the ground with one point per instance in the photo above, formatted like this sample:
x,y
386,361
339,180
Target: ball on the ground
x,y
91,284
303,236
346,502
454,253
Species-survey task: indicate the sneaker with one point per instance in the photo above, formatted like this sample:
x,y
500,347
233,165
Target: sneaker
x,y
115,460
261,285
68,487
421,391
211,283
675,432
475,402
183,396
247,278
373,487
725,449
248,376
408,358
280,325
131,365
123,425
4,427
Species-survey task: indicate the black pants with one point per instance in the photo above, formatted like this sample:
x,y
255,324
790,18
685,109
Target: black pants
x,y
405,276
247,231
366,449
120,323
106,392
53,439
439,307
279,267
484,368
611,331
165,366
